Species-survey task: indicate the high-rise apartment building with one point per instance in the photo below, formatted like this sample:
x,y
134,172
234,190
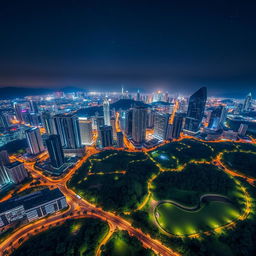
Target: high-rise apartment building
x,y
128,122
177,125
85,126
55,150
34,140
120,139
67,126
18,111
48,123
161,121
16,171
106,136
139,124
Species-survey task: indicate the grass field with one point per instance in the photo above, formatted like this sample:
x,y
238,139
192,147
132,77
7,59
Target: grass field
x,y
178,221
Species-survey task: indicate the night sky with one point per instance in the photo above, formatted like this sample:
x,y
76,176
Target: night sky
x,y
172,45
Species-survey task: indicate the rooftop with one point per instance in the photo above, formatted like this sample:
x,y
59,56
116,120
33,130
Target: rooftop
x,y
31,200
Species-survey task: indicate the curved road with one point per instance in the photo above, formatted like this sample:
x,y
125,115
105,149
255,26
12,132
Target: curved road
x,y
80,205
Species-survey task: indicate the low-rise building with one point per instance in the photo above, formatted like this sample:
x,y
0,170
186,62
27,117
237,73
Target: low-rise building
x,y
32,206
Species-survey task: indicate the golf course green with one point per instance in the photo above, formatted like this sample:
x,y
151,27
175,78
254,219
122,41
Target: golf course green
x,y
177,220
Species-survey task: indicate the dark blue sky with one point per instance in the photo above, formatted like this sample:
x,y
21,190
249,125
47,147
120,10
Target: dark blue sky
x,y
174,45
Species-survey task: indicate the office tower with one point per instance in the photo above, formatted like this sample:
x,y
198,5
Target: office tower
x,y
122,120
4,123
247,103
242,129
55,150
67,126
128,122
48,123
160,125
139,124
16,172
34,140
33,106
195,112
150,118
177,125
85,126
18,111
217,117
138,96
106,136
35,119
99,122
4,157
106,112
120,139
113,124
166,97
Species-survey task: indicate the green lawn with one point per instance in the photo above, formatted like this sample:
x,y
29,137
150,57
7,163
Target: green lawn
x,y
181,222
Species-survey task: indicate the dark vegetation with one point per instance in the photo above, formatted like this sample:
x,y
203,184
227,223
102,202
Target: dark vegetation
x,y
118,191
241,162
16,146
73,238
194,180
123,244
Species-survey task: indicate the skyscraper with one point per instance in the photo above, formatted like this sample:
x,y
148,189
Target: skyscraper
x,y
48,123
106,112
120,139
99,122
195,112
177,125
161,121
34,140
106,136
55,150
33,106
247,103
67,126
217,118
18,111
85,126
138,96
128,122
4,123
139,124
113,124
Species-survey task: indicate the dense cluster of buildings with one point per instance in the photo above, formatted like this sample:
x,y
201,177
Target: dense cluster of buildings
x,y
145,122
